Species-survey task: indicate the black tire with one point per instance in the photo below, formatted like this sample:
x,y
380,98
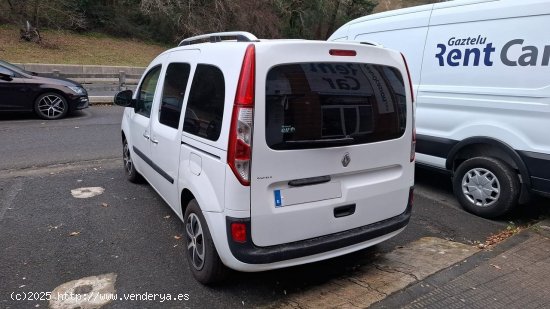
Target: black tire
x,y
130,170
51,106
487,187
210,269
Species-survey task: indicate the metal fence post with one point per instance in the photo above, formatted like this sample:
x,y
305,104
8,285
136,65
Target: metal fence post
x,y
121,80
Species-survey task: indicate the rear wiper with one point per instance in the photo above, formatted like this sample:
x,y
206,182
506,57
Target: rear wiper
x,y
344,140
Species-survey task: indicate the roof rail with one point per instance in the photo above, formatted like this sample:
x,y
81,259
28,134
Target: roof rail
x,y
239,36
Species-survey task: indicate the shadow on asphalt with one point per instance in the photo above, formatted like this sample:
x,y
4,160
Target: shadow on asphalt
x,y
536,209
17,116
297,279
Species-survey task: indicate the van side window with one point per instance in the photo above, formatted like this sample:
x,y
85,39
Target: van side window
x,y
146,92
175,83
204,113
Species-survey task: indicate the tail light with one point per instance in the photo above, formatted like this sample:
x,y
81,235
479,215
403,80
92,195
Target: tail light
x,y
240,135
413,139
342,52
409,75
238,232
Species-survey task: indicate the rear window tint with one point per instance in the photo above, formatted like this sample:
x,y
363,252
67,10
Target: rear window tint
x,y
313,105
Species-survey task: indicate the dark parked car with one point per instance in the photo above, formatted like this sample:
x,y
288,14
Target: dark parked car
x,y
49,97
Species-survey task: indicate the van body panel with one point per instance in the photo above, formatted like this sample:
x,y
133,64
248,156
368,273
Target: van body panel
x,y
383,30
374,182
390,14
165,148
501,105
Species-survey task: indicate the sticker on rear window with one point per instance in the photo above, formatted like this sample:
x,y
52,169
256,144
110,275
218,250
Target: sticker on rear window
x,y
287,129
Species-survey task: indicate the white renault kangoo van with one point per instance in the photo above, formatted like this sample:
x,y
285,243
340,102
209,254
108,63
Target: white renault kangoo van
x,y
274,153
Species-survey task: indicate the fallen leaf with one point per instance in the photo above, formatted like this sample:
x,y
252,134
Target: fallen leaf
x,y
177,237
104,205
74,233
495,266
501,236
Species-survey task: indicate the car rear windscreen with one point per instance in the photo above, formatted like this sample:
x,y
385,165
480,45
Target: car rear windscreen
x,y
328,104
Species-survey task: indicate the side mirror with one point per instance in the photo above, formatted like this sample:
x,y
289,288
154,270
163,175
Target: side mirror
x,y
124,99
6,77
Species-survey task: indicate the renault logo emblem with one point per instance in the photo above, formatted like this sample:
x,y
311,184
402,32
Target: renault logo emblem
x,y
346,159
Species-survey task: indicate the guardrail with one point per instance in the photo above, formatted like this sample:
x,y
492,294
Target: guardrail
x,y
93,77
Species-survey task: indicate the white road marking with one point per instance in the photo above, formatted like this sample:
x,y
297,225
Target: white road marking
x,y
87,192
85,293
7,202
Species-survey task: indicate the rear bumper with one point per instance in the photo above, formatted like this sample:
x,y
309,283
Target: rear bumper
x,y
251,254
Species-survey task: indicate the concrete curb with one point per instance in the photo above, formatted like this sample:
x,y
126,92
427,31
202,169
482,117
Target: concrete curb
x,y
101,99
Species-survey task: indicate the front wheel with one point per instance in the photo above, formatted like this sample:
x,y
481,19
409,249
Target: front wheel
x,y
487,187
51,106
202,257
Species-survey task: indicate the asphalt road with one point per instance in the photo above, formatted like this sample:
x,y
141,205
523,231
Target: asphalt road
x,y
90,134
128,230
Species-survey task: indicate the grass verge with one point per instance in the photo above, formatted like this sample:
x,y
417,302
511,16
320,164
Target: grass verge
x,y
63,47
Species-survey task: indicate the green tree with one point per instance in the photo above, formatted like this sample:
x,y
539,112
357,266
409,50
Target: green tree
x,y
317,19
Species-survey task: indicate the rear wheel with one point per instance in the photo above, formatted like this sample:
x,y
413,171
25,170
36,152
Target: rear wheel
x,y
486,186
202,257
51,106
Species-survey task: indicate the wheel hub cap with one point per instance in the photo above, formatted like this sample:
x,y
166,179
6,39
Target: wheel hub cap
x,y
195,241
481,187
51,106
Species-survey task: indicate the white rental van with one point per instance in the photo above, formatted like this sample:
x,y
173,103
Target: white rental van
x,y
274,153
481,78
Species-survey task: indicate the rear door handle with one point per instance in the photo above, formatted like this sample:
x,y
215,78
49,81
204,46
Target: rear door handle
x,y
154,141
344,211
